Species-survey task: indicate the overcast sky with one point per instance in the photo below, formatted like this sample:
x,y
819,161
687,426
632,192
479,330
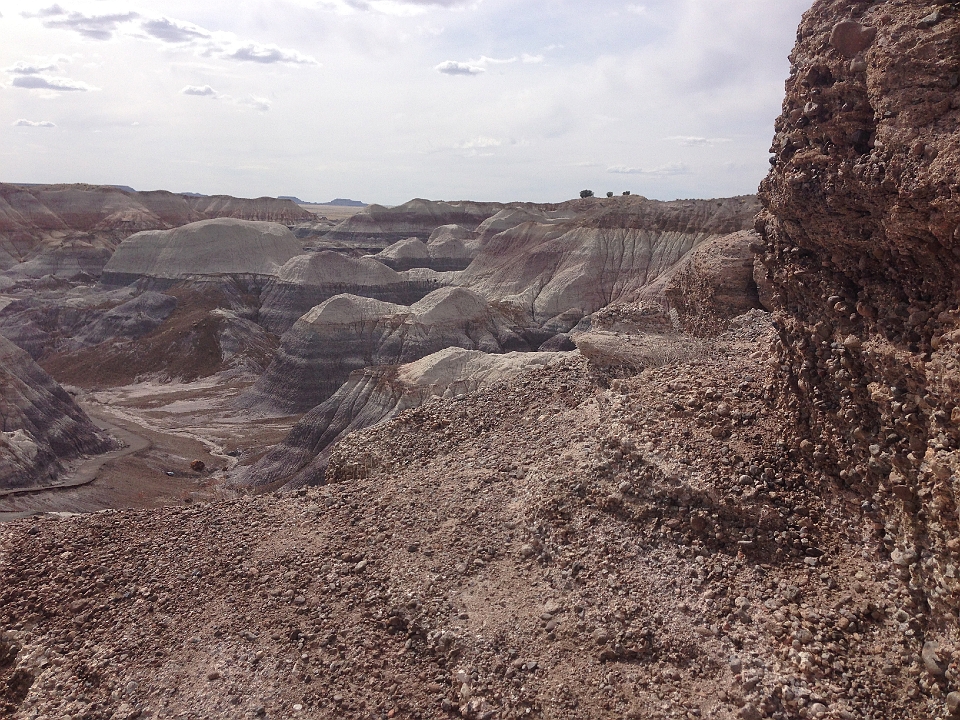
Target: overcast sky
x,y
386,100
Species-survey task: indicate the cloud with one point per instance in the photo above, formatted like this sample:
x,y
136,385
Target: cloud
x,y
174,31
22,68
480,142
693,141
637,9
257,103
95,27
254,52
200,91
452,67
662,171
33,123
43,82
474,67
532,59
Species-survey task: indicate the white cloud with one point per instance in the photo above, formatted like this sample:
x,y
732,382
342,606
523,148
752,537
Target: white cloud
x,y
257,103
693,141
45,82
200,91
34,68
33,123
637,9
532,59
255,52
452,67
480,142
174,31
676,168
94,27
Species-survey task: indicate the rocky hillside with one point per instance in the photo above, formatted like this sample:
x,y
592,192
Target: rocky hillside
x,y
41,426
68,230
374,394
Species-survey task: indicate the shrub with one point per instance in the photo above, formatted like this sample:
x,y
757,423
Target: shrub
x,y
586,193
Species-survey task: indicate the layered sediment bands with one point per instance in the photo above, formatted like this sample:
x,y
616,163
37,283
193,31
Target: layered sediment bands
x,y
68,229
215,248
40,424
377,226
307,280
191,331
347,333
608,252
375,394
862,229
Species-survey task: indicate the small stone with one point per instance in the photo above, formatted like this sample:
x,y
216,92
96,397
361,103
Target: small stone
x,y
930,20
198,466
953,703
817,710
903,558
931,659
528,551
361,566
213,675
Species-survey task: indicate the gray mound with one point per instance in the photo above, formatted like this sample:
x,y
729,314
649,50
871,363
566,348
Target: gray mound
x,y
224,246
307,280
347,333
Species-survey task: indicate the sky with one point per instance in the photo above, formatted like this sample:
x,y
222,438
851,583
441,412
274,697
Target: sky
x,y
387,100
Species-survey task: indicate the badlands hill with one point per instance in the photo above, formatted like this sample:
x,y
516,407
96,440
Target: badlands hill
x,y
220,247
66,230
41,427
757,521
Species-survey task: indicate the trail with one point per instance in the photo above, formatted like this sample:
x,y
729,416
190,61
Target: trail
x,y
88,470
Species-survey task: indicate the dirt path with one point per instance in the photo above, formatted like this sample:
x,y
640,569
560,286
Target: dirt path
x,y
89,469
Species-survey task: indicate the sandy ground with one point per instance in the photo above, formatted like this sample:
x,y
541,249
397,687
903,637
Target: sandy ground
x,y
332,212
164,428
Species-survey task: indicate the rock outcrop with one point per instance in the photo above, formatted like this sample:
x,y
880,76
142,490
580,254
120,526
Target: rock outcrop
x,y
861,225
307,280
215,248
376,394
73,229
608,252
710,285
347,333
40,424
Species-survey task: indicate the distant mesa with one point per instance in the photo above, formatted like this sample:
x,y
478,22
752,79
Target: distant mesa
x,y
339,202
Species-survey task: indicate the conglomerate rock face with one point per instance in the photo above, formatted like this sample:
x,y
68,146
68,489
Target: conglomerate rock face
x,y
40,424
862,257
